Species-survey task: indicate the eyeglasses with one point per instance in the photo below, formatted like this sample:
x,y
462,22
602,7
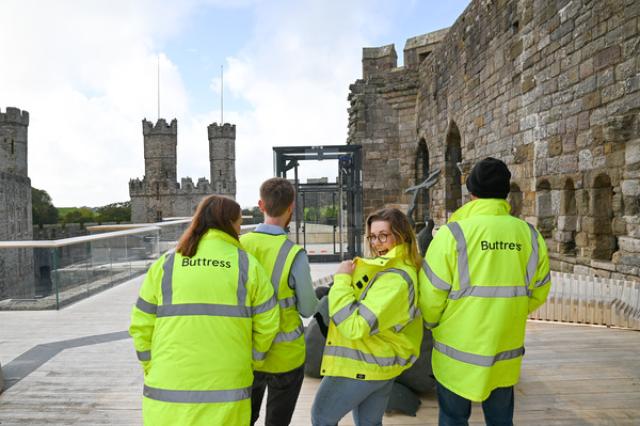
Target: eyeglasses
x,y
381,237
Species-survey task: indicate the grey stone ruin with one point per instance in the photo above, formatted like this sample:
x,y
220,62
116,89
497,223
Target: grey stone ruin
x,y
425,235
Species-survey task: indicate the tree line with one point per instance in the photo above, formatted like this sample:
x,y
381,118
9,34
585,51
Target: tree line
x,y
44,212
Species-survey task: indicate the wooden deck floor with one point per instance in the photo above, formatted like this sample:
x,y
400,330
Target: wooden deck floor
x,y
572,375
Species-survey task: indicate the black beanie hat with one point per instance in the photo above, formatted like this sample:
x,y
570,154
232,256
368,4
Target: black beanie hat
x,y
489,178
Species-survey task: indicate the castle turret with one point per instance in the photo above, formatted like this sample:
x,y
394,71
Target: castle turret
x,y
160,145
376,61
13,142
16,265
222,156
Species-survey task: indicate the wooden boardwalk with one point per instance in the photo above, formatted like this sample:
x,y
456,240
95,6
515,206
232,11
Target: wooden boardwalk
x,y
572,375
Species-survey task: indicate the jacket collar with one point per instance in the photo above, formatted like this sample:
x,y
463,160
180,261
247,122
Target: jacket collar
x,y
216,234
482,207
398,251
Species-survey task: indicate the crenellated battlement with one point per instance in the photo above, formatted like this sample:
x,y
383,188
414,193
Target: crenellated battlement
x,y
161,127
14,116
378,61
225,131
139,187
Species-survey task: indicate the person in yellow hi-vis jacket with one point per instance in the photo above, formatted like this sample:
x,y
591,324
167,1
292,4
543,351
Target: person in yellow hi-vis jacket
x,y
206,316
282,373
375,330
484,272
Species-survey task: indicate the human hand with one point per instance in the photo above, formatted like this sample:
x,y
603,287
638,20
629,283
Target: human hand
x,y
346,267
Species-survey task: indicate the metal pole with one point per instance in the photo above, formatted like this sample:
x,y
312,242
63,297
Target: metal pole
x,y
333,199
158,86
221,96
56,274
340,178
304,223
295,179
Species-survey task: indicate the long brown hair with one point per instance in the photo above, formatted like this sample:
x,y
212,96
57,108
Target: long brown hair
x,y
213,212
401,229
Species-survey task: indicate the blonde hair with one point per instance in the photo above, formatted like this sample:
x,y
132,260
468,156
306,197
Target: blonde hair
x,y
401,229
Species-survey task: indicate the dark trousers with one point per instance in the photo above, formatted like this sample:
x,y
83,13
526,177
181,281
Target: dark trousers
x,y
455,410
282,395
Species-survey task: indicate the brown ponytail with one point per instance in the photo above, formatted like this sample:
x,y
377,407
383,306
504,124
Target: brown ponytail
x,y
213,212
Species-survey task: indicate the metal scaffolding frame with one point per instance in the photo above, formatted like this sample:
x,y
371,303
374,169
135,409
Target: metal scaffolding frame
x,y
348,190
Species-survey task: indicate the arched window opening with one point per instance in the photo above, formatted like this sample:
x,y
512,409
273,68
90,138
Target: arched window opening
x,y
604,242
515,199
568,219
544,210
422,172
452,158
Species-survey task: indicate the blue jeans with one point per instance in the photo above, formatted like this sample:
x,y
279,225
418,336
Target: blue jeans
x,y
336,396
455,410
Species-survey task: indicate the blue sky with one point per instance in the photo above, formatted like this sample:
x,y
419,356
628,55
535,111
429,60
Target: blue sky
x,y
86,72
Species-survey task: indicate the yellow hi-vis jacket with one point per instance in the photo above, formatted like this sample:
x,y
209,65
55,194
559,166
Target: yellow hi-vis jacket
x,y
375,329
276,254
198,327
484,272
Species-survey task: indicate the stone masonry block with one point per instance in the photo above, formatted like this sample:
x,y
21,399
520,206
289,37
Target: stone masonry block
x,y
606,57
567,223
631,187
629,244
585,160
632,152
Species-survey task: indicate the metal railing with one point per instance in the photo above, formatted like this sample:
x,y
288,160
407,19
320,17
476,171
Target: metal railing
x,y
49,274
585,299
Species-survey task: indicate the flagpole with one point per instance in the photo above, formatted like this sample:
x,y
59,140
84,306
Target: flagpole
x,y
221,96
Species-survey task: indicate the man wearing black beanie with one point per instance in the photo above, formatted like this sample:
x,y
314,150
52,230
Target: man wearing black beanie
x,y
489,179
484,273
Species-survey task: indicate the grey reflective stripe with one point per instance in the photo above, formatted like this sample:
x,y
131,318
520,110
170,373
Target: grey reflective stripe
x,y
365,313
463,259
243,271
278,267
144,355
342,352
289,301
532,264
264,307
344,313
481,360
194,396
430,324
289,336
209,309
545,280
489,291
259,356
370,317
167,278
146,307
435,280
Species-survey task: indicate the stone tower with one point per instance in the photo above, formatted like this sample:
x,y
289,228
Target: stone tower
x,y
158,195
222,156
16,265
160,146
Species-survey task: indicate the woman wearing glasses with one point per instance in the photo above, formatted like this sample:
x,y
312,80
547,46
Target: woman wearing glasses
x,y
376,329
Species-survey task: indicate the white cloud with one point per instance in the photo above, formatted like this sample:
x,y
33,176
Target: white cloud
x,y
86,72
295,74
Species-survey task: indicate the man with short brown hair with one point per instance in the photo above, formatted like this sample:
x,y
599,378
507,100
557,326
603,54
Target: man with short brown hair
x,y
287,264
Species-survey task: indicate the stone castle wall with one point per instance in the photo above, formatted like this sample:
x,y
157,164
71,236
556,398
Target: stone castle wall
x,y
551,88
16,265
